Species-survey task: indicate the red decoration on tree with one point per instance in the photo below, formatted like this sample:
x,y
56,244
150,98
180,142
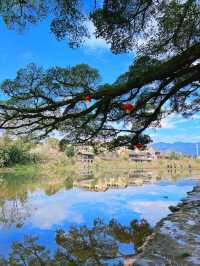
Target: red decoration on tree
x,y
139,146
127,107
87,99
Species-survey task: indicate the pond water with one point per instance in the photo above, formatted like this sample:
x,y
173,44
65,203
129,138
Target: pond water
x,y
110,218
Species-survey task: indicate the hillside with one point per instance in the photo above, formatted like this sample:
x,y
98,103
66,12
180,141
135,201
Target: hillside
x,y
185,148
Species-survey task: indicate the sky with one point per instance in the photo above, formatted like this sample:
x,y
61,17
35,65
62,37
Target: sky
x,y
38,45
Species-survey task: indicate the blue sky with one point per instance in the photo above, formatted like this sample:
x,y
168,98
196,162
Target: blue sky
x,y
38,45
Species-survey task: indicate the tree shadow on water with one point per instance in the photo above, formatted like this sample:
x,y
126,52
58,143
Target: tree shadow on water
x,y
98,245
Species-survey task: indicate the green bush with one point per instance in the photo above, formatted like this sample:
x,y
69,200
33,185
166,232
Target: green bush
x,y
63,144
69,151
4,157
16,151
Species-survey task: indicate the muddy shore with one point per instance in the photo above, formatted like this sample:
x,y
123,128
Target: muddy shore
x,y
176,238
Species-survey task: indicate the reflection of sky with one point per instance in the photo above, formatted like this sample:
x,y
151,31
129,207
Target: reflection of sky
x,y
77,206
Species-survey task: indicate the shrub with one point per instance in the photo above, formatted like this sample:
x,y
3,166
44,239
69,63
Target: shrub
x,y
16,151
63,144
4,157
69,151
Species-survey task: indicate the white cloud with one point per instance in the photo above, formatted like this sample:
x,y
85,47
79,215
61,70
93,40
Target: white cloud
x,y
157,137
186,132
172,120
196,62
28,56
94,43
167,123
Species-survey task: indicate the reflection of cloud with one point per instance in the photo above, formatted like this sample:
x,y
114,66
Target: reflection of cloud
x,y
152,211
47,216
77,206
48,213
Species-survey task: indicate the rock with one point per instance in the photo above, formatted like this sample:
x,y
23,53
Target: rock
x,y
175,238
142,262
174,208
128,261
185,254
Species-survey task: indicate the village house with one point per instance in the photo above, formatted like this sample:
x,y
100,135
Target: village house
x,y
139,156
145,155
85,157
84,154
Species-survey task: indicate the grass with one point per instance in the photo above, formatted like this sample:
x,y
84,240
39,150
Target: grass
x,y
117,165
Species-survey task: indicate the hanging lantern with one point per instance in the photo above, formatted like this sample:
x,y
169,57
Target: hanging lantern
x,y
127,107
139,146
87,99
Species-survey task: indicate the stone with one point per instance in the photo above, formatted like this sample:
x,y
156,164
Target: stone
x,y
175,240
174,208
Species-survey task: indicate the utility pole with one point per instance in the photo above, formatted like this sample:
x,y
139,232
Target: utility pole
x,y
197,149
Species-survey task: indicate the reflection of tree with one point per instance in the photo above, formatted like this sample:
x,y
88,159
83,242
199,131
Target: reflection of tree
x,y
99,245
28,253
135,234
16,185
14,212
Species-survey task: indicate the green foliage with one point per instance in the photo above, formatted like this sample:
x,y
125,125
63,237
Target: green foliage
x,y
65,147
70,151
164,25
67,18
164,78
16,151
63,144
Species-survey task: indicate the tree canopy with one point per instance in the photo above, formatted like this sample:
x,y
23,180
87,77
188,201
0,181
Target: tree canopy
x,y
164,77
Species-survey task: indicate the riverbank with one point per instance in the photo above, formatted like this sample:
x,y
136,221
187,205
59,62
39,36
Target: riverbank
x,y
176,238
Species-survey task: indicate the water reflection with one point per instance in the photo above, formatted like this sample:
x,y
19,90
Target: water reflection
x,y
102,244
31,205
14,212
103,181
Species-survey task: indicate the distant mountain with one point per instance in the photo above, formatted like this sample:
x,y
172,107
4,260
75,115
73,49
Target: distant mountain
x,y
185,148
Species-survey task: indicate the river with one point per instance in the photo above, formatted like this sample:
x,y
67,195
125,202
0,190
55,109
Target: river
x,y
106,224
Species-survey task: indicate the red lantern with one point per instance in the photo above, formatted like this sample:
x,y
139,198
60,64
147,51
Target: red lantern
x,y
139,146
87,99
127,107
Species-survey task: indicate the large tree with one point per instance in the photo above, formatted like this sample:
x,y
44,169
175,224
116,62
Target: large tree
x,y
164,77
